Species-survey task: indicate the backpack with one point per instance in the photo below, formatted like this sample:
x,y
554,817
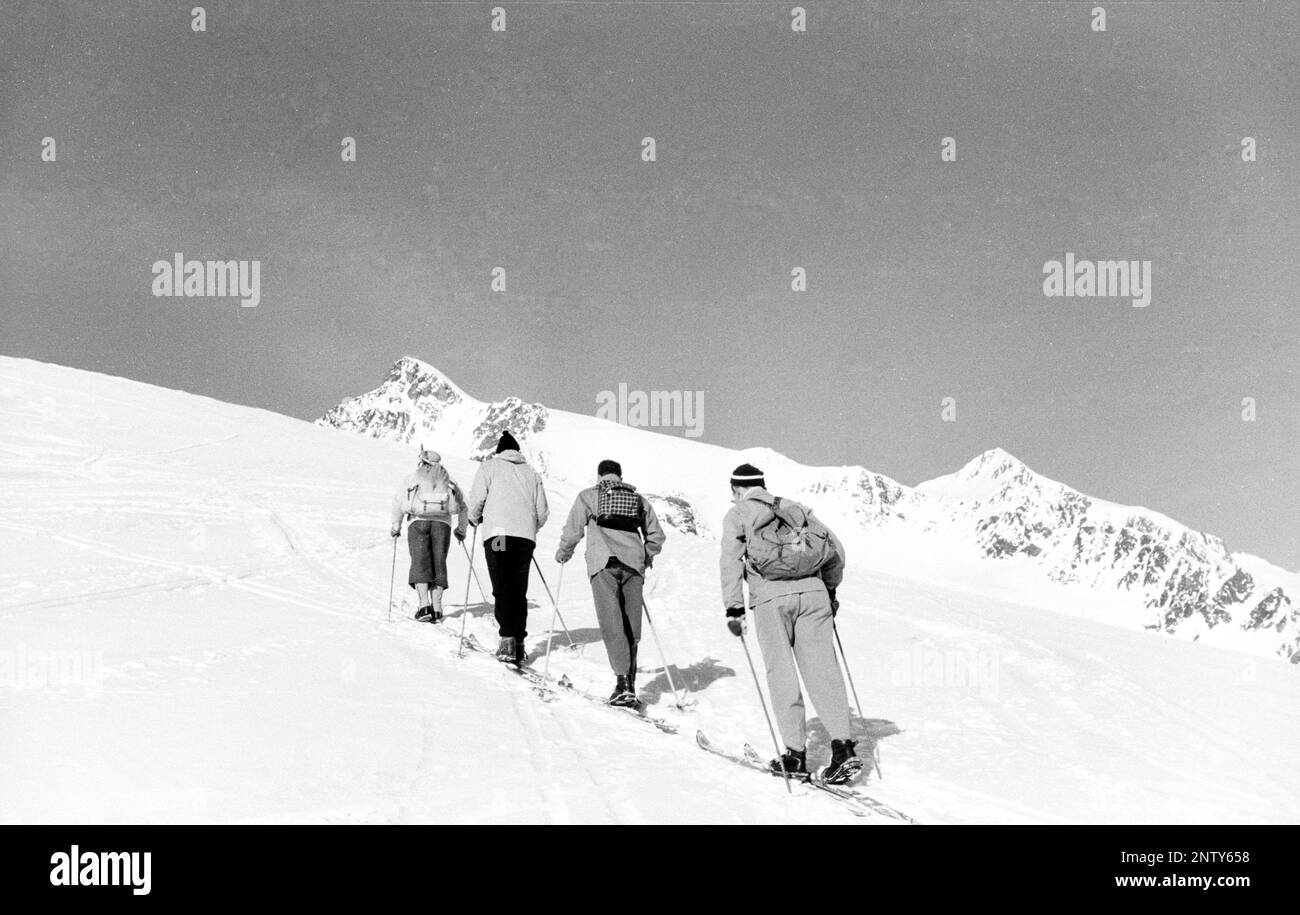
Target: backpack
x,y
789,543
618,507
422,501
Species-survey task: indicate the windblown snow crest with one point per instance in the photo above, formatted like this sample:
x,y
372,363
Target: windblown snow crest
x,y
1161,575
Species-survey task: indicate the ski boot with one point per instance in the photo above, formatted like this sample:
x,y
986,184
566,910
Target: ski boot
x,y
508,650
624,693
793,761
844,765
425,615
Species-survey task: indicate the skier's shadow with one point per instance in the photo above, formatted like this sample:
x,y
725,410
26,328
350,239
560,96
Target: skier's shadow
x,y
535,613
689,680
560,641
474,610
866,732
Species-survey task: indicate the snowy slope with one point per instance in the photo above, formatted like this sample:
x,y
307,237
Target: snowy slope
x,y
994,527
192,602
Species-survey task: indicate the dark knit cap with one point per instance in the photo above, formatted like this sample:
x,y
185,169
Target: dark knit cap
x,y
608,466
747,475
507,443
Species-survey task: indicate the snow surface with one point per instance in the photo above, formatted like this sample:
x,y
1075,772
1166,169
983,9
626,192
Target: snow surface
x,y
222,572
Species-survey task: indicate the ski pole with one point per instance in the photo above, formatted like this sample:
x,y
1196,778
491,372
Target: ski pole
x,y
555,611
875,751
660,646
392,581
763,702
848,673
559,615
474,571
464,613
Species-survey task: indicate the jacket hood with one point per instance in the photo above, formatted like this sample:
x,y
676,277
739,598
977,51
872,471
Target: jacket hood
x,y
511,455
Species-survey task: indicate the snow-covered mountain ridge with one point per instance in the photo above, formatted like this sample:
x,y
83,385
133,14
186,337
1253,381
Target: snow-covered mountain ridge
x,y
1127,565
195,628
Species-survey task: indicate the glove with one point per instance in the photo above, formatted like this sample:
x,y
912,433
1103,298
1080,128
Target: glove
x,y
460,535
736,621
835,604
560,558
395,533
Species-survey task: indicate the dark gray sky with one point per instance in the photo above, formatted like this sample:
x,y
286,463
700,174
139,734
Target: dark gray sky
x,y
775,150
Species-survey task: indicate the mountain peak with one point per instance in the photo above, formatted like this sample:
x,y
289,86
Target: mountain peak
x,y
994,464
420,379
993,474
412,365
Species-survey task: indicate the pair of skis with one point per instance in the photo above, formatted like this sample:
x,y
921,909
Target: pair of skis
x,y
855,801
546,691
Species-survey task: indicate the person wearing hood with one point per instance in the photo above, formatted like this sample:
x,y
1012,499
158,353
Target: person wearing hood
x,y
623,537
507,503
430,498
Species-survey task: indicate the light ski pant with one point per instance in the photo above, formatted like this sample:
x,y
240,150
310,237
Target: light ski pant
x,y
616,591
798,628
508,560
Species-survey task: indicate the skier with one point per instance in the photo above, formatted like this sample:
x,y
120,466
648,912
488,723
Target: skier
x,y
430,497
614,516
508,504
792,563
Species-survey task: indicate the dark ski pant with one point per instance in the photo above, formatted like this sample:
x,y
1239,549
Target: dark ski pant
x,y
428,542
616,591
798,629
508,559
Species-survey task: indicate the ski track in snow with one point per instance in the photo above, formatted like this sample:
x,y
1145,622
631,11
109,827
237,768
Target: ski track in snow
x,y
237,596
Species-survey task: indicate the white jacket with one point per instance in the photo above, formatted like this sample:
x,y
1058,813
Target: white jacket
x,y
508,498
